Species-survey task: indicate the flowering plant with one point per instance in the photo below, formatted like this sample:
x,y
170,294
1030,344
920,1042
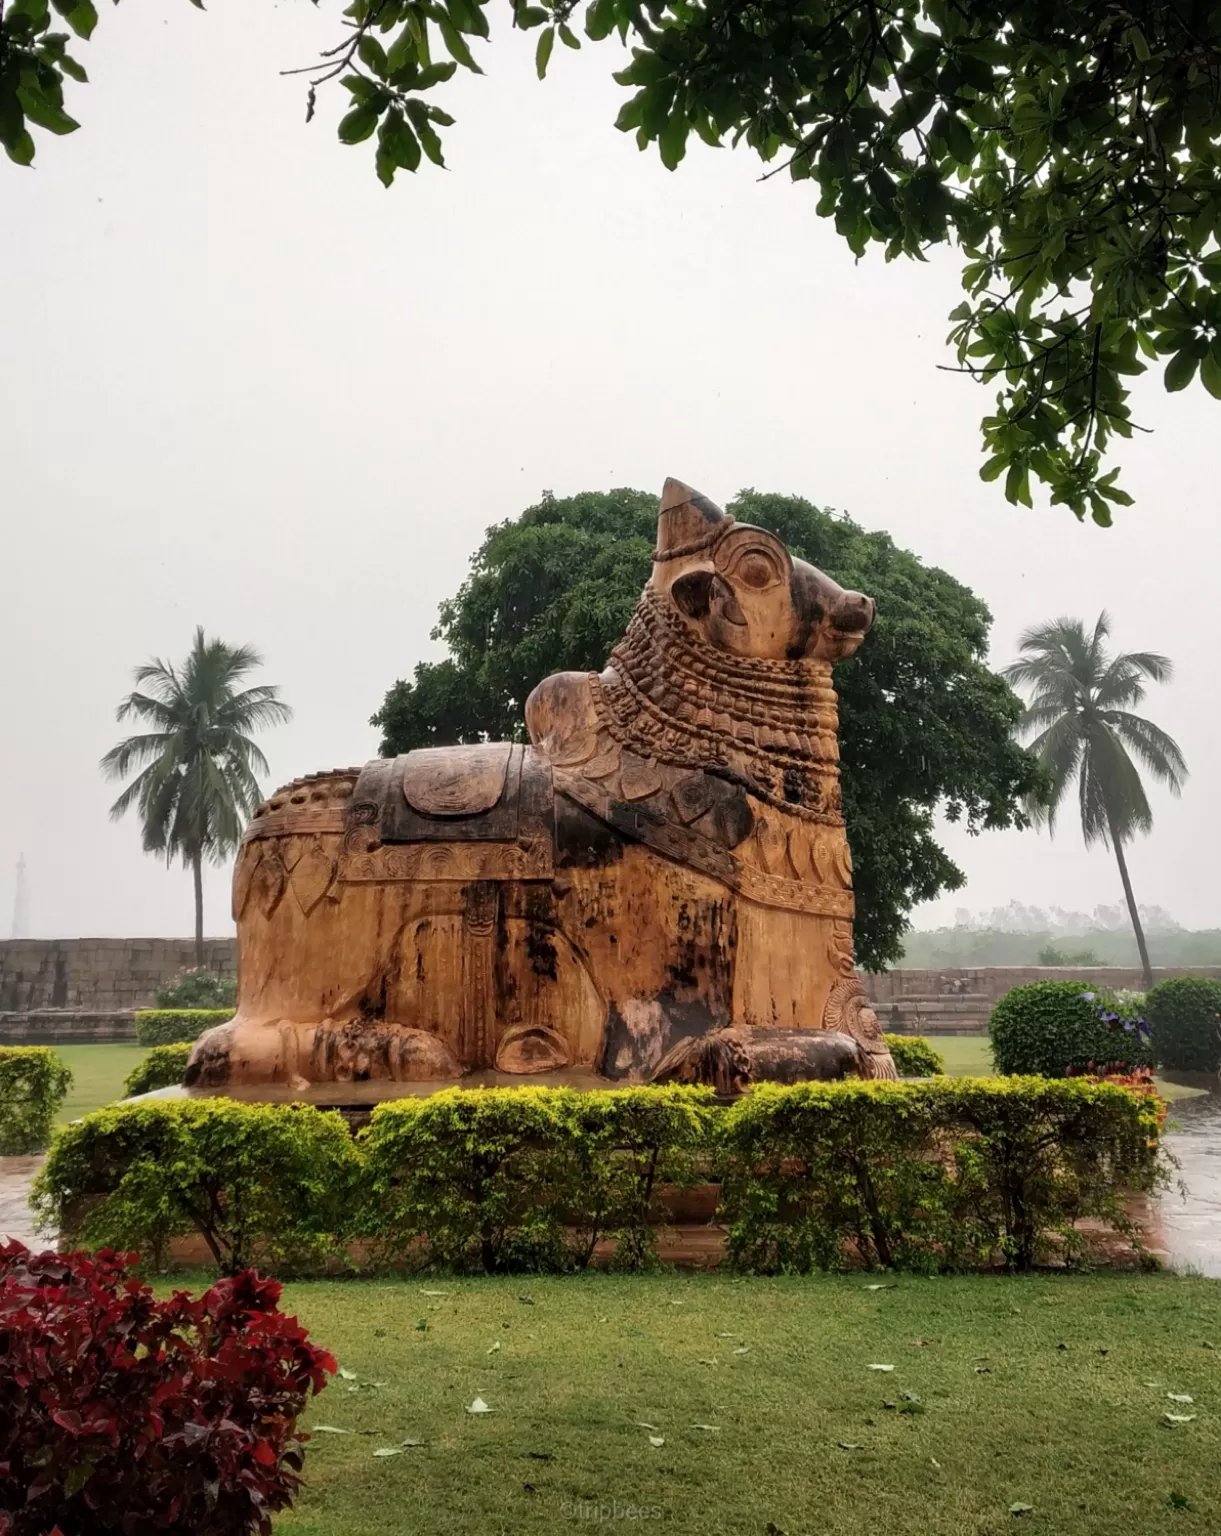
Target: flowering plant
x,y
1121,1012
1138,1079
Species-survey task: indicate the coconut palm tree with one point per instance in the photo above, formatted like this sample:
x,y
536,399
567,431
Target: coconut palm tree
x,y
1080,705
195,785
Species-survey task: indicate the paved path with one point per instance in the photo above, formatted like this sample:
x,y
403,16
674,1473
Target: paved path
x,y
16,1218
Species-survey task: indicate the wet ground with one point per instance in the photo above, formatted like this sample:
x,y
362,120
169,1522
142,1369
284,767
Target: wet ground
x,y
1191,1223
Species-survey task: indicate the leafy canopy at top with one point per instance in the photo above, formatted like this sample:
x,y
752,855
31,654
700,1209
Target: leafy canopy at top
x,y
924,725
1070,151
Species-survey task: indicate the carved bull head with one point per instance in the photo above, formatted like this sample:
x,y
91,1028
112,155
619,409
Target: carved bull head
x,y
743,590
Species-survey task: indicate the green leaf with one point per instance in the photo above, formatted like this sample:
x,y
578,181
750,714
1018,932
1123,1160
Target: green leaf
x,y
420,115
672,141
599,20
434,74
568,37
631,113
527,16
398,142
44,113
1138,45
994,468
71,67
542,54
456,44
1210,372
81,15
1018,1508
358,124
402,51
1181,369
373,56
20,148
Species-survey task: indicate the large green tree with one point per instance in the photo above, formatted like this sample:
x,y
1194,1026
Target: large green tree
x,y
1070,151
1080,714
924,724
195,763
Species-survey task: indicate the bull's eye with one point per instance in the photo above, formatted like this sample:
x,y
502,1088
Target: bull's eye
x,y
756,570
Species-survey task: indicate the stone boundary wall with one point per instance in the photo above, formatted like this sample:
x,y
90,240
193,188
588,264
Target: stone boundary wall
x,y
993,981
86,988
60,1026
98,975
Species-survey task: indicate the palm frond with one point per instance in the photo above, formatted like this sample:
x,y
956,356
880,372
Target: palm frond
x,y
1160,753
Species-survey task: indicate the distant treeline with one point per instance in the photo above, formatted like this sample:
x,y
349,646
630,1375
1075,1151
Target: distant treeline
x,y
949,948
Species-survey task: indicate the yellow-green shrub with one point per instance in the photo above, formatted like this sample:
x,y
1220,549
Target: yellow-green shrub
x,y
163,1067
33,1084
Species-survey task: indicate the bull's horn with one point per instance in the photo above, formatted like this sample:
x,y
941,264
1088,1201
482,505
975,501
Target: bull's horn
x,y
686,521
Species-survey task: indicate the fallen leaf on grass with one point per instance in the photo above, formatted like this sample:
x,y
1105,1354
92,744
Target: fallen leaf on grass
x,y
1180,1397
494,1347
540,1455
388,1450
923,1343
640,1424
1178,1418
479,1406
1018,1508
345,1374
1178,1501
881,1367
526,1301
885,1285
983,1370
742,1349
934,1463
656,1440
713,1361
910,1397
849,1445
421,1325
433,1293
715,1427
330,1429
727,1335
410,1442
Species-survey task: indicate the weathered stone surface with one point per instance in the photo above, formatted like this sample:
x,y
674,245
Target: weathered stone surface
x,y
666,859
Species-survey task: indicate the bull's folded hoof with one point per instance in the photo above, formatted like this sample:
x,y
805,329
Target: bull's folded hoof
x,y
531,1048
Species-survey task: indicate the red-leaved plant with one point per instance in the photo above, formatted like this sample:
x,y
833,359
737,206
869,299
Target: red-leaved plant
x,y
121,1413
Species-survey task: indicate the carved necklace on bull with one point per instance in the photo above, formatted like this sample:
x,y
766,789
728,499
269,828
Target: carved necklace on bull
x,y
770,725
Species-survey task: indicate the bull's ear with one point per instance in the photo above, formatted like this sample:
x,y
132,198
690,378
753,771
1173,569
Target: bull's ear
x,y
692,591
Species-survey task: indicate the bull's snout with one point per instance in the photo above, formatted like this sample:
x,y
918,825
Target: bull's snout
x,y
853,614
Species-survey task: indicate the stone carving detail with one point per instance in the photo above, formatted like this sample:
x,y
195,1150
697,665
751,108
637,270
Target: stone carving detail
x,y
660,883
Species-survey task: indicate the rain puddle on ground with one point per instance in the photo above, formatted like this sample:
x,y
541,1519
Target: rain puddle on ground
x,y
1191,1226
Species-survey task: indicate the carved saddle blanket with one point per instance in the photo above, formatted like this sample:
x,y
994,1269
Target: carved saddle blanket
x,y
506,813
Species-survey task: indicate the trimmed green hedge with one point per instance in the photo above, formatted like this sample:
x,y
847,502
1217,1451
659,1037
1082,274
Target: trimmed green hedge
x,y
913,1056
1047,1027
266,1184
33,1084
174,1026
1184,1014
164,1067
950,1174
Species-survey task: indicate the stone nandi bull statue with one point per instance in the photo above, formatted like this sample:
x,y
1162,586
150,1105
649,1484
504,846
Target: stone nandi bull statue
x,y
657,888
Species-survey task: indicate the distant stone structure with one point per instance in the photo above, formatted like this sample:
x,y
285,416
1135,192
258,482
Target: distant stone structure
x,y
98,975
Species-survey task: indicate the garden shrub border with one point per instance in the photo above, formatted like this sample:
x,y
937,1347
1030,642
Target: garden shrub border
x,y
1185,1016
1054,1027
177,1026
913,1056
33,1084
920,1176
164,1067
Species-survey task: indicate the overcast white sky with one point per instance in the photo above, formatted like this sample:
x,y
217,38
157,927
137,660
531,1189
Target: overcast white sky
x,y
245,386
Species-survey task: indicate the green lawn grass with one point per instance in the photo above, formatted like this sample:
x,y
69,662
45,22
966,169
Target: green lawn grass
x,y
97,1076
1048,1391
